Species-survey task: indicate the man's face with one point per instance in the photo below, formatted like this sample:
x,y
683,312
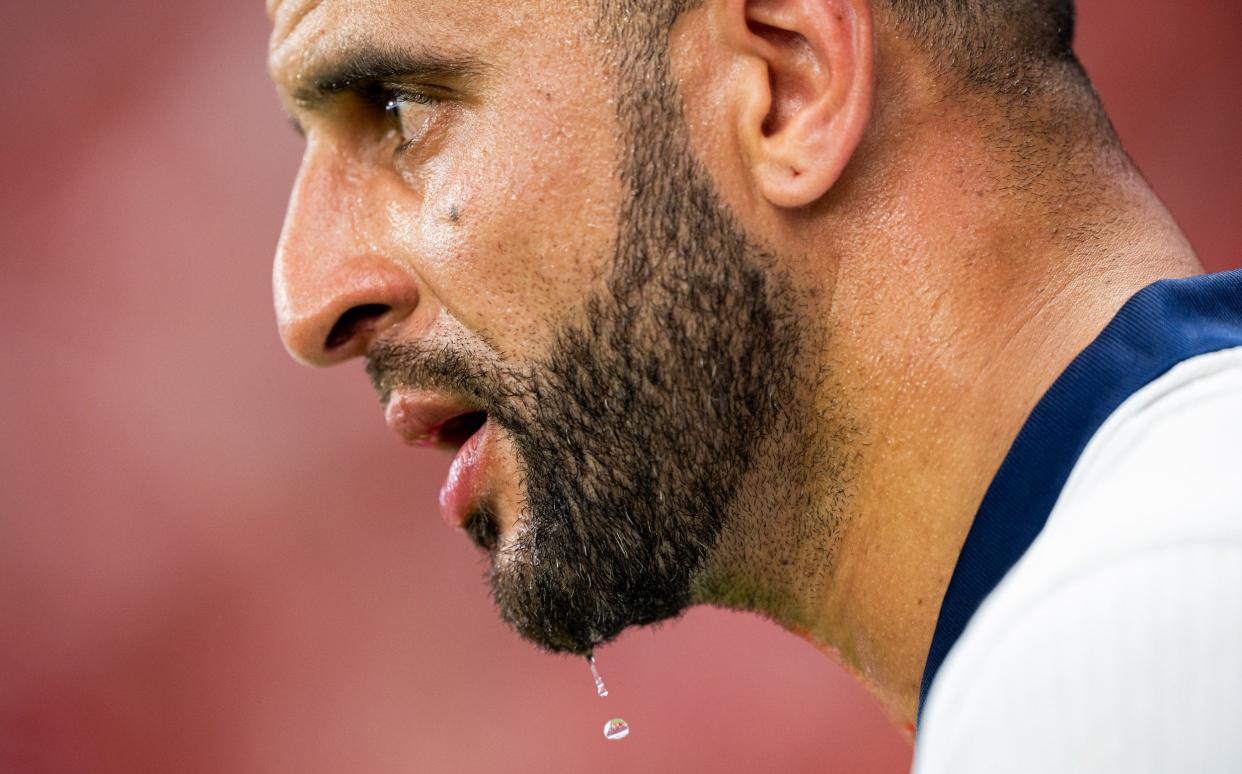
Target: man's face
x,y
499,209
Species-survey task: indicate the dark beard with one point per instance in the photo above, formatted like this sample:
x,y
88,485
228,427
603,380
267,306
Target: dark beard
x,y
635,432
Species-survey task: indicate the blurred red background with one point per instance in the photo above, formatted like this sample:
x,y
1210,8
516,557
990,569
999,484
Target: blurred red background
x,y
212,560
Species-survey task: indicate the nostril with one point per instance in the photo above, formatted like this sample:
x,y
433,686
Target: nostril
x,y
356,320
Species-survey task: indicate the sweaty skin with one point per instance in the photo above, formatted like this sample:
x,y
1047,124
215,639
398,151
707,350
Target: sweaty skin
x,y
754,316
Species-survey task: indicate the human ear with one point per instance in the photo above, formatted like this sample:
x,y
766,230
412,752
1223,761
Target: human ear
x,y
805,88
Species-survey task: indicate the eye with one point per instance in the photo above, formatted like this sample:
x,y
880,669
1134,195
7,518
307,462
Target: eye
x,y
411,113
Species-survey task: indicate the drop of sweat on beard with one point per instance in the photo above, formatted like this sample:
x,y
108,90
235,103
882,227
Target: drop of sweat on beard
x,y
615,729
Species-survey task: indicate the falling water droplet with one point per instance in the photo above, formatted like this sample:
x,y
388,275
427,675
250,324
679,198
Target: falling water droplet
x,y
616,729
599,681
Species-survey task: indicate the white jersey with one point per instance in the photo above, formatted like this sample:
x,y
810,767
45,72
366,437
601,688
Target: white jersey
x,y
1094,620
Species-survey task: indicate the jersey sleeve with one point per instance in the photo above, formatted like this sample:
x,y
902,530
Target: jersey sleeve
x,y
1134,666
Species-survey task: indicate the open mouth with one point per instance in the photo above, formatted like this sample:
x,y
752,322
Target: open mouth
x,y
453,433
433,419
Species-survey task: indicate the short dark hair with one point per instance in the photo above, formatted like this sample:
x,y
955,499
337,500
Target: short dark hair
x,y
1002,46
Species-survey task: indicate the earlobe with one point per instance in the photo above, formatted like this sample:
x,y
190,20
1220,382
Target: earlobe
x,y
813,68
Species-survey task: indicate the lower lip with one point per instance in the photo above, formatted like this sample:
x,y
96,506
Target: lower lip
x,y
464,483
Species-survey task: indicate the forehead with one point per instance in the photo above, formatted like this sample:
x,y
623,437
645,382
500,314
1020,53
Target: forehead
x,y
305,32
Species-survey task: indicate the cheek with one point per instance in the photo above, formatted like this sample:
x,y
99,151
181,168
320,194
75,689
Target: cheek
x,y
516,222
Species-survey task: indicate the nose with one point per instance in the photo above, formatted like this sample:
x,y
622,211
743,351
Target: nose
x,y
335,288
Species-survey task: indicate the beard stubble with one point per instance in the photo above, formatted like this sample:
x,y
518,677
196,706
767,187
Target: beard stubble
x,y
637,431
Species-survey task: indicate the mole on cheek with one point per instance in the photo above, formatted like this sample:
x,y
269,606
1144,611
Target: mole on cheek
x,y
454,213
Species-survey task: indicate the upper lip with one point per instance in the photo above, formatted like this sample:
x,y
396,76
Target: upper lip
x,y
425,418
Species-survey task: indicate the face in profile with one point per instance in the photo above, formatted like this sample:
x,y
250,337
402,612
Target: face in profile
x,y
499,209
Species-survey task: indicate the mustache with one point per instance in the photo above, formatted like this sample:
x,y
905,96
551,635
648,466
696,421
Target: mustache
x,y
441,367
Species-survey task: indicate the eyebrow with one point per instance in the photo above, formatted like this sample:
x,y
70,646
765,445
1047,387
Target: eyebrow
x,y
367,66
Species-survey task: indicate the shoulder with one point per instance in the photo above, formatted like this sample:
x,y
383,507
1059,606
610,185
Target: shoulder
x,y
1112,644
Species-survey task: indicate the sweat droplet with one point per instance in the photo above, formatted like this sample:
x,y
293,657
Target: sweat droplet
x,y
616,729
599,681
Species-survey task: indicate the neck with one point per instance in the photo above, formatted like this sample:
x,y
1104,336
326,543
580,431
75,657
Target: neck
x,y
964,306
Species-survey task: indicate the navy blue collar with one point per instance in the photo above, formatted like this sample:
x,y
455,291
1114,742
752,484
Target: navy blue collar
x,y
1163,324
